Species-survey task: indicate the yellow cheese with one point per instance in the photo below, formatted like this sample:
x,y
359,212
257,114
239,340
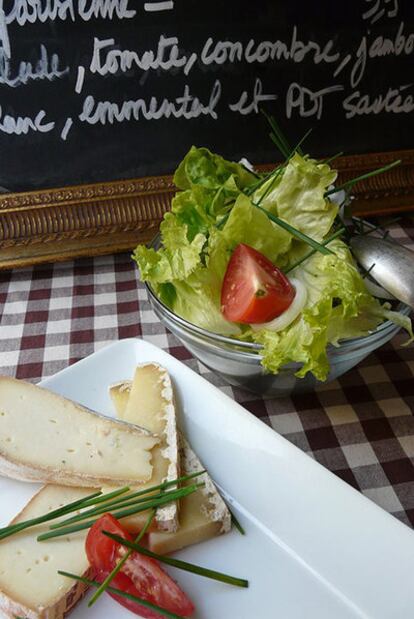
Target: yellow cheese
x,y
150,404
73,446
203,515
30,586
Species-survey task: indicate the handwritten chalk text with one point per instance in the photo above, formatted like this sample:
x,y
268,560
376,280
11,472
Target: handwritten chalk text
x,y
21,125
395,101
30,11
220,52
106,60
186,106
46,68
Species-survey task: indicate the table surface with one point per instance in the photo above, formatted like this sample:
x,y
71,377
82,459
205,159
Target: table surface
x,y
361,426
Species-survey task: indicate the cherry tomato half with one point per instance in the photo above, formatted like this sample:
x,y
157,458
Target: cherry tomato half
x,y
254,290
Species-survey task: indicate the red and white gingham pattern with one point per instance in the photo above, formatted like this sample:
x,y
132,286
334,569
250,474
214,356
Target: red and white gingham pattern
x,y
361,426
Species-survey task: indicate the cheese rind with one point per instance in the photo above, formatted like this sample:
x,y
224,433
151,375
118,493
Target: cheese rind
x,y
30,586
47,438
150,404
202,515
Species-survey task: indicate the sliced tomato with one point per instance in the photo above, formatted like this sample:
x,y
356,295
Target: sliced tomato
x,y
102,552
254,290
124,583
140,576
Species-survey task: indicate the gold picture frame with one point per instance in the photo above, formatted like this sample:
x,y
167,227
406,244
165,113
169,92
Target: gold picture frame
x,y
53,225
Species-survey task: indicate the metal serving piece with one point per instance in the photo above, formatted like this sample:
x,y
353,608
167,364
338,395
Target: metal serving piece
x,y
389,264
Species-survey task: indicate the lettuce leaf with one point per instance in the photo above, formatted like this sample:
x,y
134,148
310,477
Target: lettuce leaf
x,y
178,257
297,196
200,167
338,307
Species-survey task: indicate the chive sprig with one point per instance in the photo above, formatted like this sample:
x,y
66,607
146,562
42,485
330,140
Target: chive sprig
x,y
122,513
100,501
128,596
182,565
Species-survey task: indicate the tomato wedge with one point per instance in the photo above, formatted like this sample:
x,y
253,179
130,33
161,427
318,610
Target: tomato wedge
x,y
140,576
254,290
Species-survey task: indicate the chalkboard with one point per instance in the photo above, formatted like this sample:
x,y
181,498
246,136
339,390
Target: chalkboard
x,y
99,90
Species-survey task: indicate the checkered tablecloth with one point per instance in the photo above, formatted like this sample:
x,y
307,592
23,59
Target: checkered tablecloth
x,y
361,426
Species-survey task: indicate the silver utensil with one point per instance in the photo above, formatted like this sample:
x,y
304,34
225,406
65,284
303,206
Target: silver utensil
x,y
391,265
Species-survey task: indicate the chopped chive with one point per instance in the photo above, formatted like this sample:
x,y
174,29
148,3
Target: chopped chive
x,y
273,177
56,513
294,231
128,596
134,506
120,563
252,172
277,135
255,186
378,227
91,499
105,497
334,236
109,508
297,148
236,522
353,181
366,272
330,159
131,499
122,513
182,565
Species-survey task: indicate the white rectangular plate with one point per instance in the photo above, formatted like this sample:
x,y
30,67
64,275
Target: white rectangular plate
x,y
315,548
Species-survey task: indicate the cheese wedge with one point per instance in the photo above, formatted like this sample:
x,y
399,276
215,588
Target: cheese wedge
x,y
30,586
150,404
44,437
202,515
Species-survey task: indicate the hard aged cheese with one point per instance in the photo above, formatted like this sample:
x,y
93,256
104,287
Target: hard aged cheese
x,y
44,437
202,515
150,404
30,586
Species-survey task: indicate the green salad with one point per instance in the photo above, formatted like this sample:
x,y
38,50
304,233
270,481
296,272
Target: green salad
x,y
222,204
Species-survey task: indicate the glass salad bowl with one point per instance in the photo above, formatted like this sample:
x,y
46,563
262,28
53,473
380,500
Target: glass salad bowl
x,y
239,363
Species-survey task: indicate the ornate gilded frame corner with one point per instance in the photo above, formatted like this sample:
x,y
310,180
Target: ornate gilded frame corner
x,y
87,220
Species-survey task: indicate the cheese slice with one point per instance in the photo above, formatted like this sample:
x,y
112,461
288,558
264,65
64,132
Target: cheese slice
x,y
150,404
44,437
202,515
30,586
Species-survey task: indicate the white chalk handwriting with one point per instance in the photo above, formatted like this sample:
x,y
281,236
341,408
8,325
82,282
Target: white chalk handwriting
x,y
31,11
248,105
22,125
394,101
187,106
48,67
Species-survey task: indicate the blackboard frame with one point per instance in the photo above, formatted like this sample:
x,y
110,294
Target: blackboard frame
x,y
55,225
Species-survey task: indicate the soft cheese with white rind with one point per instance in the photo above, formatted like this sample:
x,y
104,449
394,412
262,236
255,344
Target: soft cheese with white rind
x,y
47,438
202,515
30,586
150,404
